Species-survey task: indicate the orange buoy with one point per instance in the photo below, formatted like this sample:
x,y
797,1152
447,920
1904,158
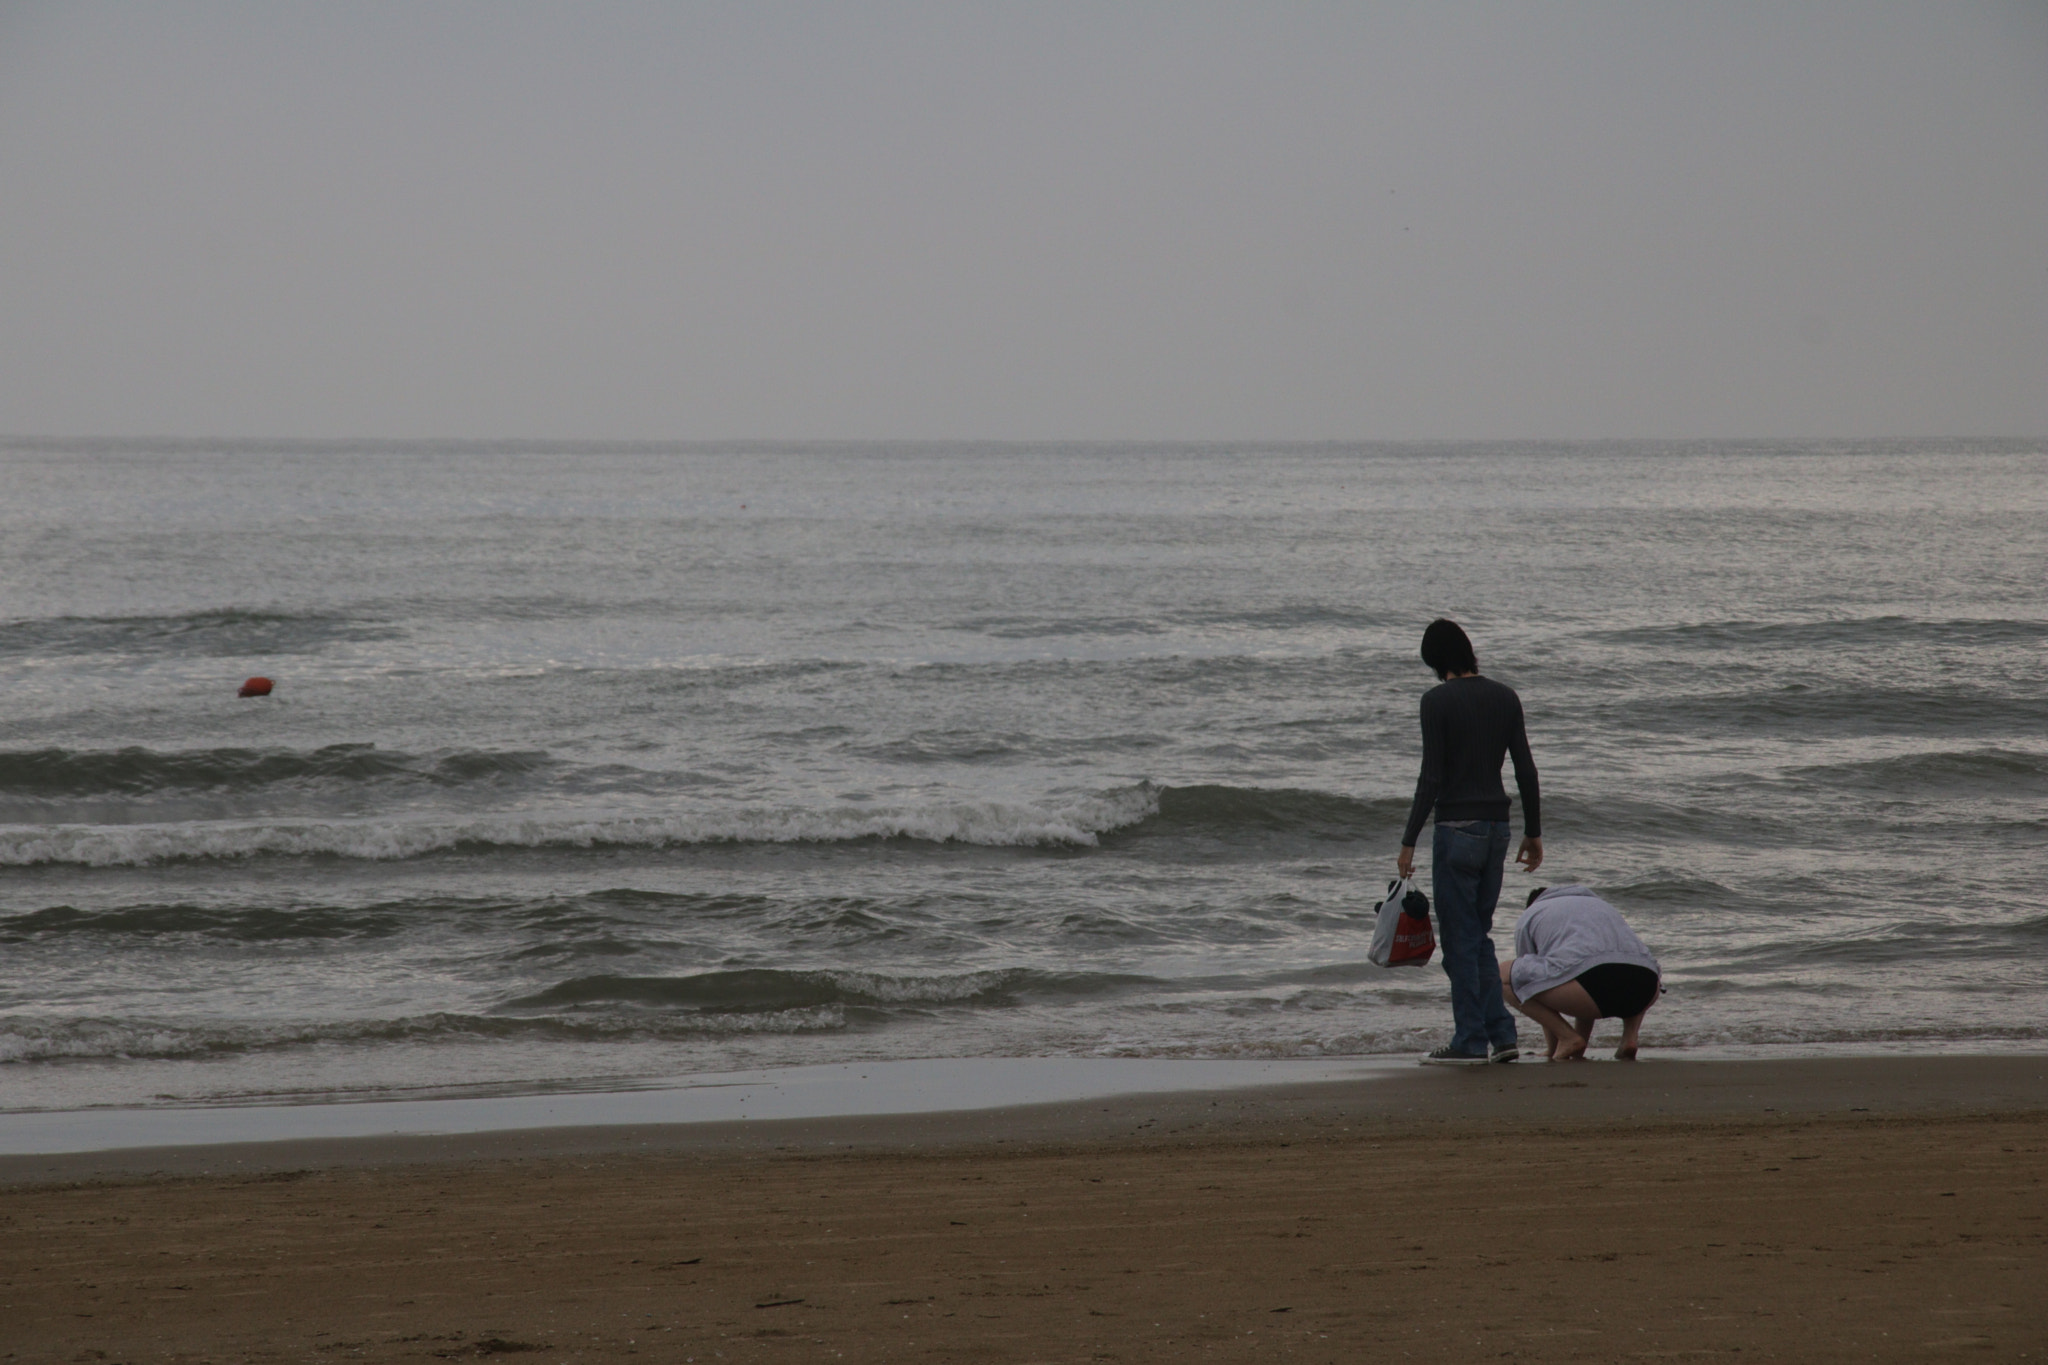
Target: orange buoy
x,y
255,687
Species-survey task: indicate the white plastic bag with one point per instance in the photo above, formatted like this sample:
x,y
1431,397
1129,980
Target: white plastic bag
x,y
1402,937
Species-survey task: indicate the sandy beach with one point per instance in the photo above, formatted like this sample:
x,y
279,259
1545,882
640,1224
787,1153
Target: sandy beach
x,y
1878,1208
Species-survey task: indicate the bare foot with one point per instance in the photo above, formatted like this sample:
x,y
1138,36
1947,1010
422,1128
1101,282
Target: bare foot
x,y
1624,1054
1570,1052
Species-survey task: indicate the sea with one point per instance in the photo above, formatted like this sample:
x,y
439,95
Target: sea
x,y
587,765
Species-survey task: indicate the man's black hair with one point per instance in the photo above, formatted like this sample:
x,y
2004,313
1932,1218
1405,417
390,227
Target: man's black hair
x,y
1533,895
1446,649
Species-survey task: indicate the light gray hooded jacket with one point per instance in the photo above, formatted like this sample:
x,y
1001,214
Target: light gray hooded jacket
x,y
1566,930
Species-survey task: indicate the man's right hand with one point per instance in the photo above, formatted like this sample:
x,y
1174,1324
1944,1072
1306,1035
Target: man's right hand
x,y
1405,864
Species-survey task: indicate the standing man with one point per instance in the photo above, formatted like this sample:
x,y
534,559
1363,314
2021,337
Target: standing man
x,y
1469,724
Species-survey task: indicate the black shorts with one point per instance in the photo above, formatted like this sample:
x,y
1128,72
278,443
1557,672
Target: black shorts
x,y
1622,990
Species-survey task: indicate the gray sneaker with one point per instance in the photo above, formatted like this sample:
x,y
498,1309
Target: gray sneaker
x,y
1447,1056
1505,1052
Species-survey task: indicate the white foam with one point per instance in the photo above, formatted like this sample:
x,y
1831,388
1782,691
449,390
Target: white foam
x,y
1079,821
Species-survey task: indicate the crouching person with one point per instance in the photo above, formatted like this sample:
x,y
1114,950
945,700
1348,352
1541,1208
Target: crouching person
x,y
1576,960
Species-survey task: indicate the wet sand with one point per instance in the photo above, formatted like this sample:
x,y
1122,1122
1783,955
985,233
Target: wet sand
x,y
1861,1209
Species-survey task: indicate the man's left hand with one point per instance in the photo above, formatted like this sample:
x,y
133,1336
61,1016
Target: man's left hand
x,y
1530,854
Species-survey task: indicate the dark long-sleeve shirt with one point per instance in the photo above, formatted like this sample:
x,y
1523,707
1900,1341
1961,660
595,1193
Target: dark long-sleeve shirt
x,y
1468,726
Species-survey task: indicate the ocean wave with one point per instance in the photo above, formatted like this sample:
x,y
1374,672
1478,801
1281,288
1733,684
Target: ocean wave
x,y
1077,822
2030,929
264,924
1300,616
618,922
29,1039
1689,893
1813,635
596,923
47,774
1986,771
564,925
1660,1034
1052,627
225,633
26,1041
1261,812
1139,812
950,746
1620,818
1866,709
762,989
1988,951
984,747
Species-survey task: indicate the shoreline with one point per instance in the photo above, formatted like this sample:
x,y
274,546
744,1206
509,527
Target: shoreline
x,y
821,1091
1884,1209
1109,1110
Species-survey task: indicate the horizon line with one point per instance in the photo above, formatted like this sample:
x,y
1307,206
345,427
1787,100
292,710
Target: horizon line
x,y
57,441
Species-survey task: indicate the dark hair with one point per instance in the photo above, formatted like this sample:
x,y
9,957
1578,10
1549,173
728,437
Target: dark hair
x,y
1446,649
1534,892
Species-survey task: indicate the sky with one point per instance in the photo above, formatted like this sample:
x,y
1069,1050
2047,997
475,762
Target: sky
x,y
1024,221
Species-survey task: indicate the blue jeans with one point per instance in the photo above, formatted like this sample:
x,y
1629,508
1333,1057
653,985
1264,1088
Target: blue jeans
x,y
1469,857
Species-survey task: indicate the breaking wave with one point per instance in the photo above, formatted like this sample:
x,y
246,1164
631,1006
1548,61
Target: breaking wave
x,y
1079,822
1260,812
1141,811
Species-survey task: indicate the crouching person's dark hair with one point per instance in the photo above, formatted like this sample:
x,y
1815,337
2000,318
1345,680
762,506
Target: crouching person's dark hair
x,y
1446,649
